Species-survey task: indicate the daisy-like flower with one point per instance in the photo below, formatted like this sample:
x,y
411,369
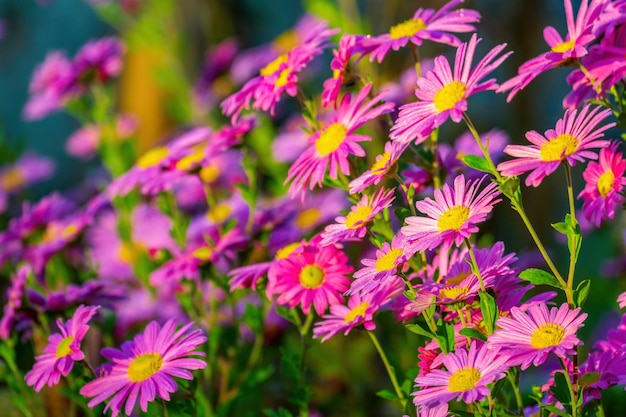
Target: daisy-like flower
x,y
348,46
604,183
426,24
331,146
143,369
62,351
466,377
353,226
443,93
452,215
528,337
570,141
385,165
562,51
313,275
376,271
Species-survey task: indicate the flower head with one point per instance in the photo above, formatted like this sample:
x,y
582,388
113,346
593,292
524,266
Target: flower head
x,y
570,141
385,165
62,351
99,60
443,93
143,369
452,215
528,337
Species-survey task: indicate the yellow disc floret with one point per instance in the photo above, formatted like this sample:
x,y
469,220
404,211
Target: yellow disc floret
x,y
453,218
358,217
558,148
449,96
358,311
605,183
407,28
548,334
64,348
144,366
311,276
330,139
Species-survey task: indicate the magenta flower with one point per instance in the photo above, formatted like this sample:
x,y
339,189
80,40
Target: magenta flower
x,y
348,47
99,60
452,215
466,377
528,337
604,183
562,51
426,24
570,141
331,147
143,369
380,169
353,226
443,93
62,351
312,275
15,294
28,169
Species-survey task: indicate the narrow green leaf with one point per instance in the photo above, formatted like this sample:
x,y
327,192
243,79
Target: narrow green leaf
x,y
473,333
477,162
554,410
417,329
510,187
581,292
560,389
540,277
562,227
387,395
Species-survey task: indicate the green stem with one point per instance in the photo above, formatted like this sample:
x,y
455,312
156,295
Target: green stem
x,y
514,381
390,370
475,263
405,190
574,248
570,387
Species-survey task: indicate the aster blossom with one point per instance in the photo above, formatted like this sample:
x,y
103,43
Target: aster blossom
x,y
570,141
452,215
443,93
604,183
465,378
528,337
426,24
143,368
384,166
331,146
62,351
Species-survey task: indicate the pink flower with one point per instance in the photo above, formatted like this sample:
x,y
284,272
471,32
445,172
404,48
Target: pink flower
x,y
380,169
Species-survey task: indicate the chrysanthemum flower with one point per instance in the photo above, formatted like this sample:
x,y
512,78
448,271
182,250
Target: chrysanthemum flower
x,y
604,183
570,141
443,93
62,351
331,146
381,168
528,337
466,377
143,369
314,275
99,60
353,226
348,47
426,24
359,311
452,215
579,35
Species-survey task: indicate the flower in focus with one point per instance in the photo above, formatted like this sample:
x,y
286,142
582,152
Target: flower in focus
x,y
62,351
452,215
443,93
528,337
331,146
604,183
426,24
143,368
354,225
466,377
349,46
570,141
385,165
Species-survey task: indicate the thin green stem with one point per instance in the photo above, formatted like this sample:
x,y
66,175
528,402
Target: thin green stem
x,y
390,370
570,388
470,248
572,210
514,381
405,190
600,409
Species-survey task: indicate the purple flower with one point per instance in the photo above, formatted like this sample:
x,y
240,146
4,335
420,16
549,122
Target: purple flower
x,y
99,60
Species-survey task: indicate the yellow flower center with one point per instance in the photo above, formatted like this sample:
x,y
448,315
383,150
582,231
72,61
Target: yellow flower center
x,y
464,379
202,254
191,160
453,219
308,218
209,173
311,276
457,279
380,166
273,66
605,183
129,253
548,334
564,46
12,180
284,252
407,28
64,348
144,366
153,157
449,95
330,139
387,262
453,293
286,41
559,147
219,213
283,78
358,311
358,216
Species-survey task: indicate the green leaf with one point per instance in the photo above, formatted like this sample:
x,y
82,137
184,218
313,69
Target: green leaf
x,y
540,277
489,309
510,187
562,227
387,395
478,163
581,292
417,329
402,213
560,389
473,333
554,410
